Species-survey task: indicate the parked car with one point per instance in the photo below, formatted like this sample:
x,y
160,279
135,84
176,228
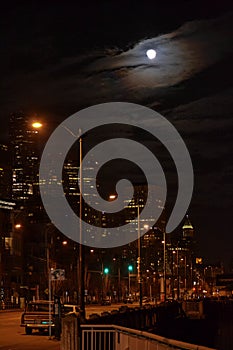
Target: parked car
x,y
36,316
128,300
106,301
146,300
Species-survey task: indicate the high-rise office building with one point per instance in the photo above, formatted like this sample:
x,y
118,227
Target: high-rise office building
x,y
181,260
24,151
71,178
148,225
25,158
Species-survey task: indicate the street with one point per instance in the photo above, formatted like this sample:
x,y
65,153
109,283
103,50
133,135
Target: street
x,y
13,337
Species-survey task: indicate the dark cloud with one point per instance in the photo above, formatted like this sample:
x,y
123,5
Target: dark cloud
x,y
36,72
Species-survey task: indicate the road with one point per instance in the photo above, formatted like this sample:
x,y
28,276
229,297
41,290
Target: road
x,y
13,337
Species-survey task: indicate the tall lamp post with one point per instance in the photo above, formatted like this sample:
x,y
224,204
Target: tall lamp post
x,y
81,247
164,265
47,245
178,274
173,294
81,258
139,260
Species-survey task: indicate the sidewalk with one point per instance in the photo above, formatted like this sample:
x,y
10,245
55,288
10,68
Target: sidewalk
x,y
11,310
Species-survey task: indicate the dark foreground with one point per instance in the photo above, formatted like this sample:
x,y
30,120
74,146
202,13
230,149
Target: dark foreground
x,y
215,330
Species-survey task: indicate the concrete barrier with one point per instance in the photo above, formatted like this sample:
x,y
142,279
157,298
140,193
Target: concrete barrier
x,y
70,336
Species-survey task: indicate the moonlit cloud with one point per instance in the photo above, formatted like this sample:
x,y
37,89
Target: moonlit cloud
x,y
112,75
180,55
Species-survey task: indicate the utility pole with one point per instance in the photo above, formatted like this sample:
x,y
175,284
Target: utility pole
x,y
139,260
178,274
81,247
47,245
164,264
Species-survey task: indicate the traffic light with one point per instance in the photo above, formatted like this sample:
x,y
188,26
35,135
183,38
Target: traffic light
x,y
106,270
130,268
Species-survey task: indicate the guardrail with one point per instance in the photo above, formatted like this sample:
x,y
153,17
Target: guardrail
x,y
111,337
98,337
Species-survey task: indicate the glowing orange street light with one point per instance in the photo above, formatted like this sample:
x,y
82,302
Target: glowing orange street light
x,y
37,125
112,196
18,226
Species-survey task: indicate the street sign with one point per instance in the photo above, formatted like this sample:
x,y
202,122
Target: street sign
x,y
57,275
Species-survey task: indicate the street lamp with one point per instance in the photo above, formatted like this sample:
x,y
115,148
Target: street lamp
x,y
112,196
37,125
17,226
164,264
139,259
173,295
178,274
81,247
47,246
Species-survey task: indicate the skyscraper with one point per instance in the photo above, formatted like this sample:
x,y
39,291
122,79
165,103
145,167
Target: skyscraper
x,y
24,151
187,229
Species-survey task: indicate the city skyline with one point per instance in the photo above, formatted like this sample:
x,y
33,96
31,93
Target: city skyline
x,y
70,183
55,72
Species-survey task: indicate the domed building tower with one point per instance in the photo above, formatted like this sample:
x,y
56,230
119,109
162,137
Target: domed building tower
x,y
188,231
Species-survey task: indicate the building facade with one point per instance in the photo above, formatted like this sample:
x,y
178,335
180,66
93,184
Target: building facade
x,y
5,172
24,158
11,252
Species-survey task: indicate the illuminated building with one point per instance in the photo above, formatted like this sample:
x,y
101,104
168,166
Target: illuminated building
x,y
5,172
71,190
152,235
182,261
11,273
25,158
187,229
137,203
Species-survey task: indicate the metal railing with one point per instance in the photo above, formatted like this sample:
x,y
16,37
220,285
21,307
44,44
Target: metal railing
x,y
96,337
110,337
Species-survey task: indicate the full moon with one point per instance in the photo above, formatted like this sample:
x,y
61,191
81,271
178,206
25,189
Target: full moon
x,y
151,54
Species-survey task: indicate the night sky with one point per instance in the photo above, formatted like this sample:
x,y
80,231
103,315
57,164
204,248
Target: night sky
x,y
58,57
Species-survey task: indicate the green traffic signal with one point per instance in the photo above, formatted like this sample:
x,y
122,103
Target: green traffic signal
x,y
106,270
130,268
